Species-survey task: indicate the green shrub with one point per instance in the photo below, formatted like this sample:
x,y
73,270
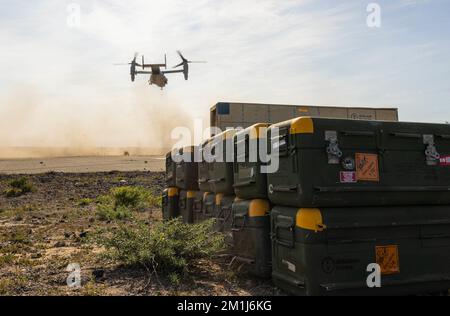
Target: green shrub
x,y
85,202
108,213
128,197
168,247
123,201
133,197
104,199
6,259
20,236
19,187
11,286
12,192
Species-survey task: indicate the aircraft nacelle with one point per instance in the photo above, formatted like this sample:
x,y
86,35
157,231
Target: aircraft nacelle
x,y
186,71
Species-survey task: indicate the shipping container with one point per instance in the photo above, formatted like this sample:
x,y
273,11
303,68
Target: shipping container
x,y
332,162
225,115
346,251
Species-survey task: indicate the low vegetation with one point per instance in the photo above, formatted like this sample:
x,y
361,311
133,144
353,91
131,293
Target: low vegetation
x,y
85,202
135,198
122,202
18,187
8,286
170,248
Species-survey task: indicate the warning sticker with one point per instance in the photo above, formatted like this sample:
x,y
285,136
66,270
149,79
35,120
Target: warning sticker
x,y
348,177
367,167
445,161
388,259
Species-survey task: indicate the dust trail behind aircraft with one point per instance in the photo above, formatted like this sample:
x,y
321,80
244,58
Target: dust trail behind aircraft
x,y
141,123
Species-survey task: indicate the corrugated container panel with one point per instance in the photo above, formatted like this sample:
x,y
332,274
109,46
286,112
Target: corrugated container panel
x,y
255,113
234,113
280,113
333,112
387,115
231,115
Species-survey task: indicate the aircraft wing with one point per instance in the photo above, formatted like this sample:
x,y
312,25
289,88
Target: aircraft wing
x,y
172,71
144,72
153,65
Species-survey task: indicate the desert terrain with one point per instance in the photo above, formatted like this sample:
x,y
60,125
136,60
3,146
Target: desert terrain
x,y
49,227
90,164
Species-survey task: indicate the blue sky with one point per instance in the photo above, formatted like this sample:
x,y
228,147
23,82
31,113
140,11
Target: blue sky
x,y
59,86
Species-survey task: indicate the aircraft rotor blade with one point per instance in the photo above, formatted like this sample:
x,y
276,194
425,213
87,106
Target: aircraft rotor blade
x,y
181,55
179,65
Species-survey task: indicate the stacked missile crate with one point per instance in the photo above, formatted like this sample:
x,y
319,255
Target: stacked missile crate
x,y
345,196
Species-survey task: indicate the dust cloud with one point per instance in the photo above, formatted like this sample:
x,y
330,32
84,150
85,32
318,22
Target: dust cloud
x,y
33,125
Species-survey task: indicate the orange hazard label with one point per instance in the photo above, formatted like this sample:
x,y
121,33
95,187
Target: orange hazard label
x,y
388,259
367,167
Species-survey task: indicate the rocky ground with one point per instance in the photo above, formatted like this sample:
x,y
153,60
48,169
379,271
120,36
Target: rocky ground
x,y
44,231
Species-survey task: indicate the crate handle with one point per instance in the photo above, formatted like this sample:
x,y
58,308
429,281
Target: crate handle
x,y
224,218
235,216
406,135
289,244
244,184
216,180
280,188
358,133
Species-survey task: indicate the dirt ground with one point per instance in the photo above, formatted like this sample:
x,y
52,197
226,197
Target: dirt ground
x,y
82,164
44,231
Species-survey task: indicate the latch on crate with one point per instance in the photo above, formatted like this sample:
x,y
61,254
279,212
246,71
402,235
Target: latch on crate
x,y
333,151
431,153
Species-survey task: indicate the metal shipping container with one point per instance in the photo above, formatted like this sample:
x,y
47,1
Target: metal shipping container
x,y
225,115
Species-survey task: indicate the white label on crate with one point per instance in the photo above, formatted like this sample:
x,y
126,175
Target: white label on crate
x,y
290,266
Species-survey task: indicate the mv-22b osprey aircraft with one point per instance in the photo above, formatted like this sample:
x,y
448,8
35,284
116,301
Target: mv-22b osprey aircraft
x,y
158,76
